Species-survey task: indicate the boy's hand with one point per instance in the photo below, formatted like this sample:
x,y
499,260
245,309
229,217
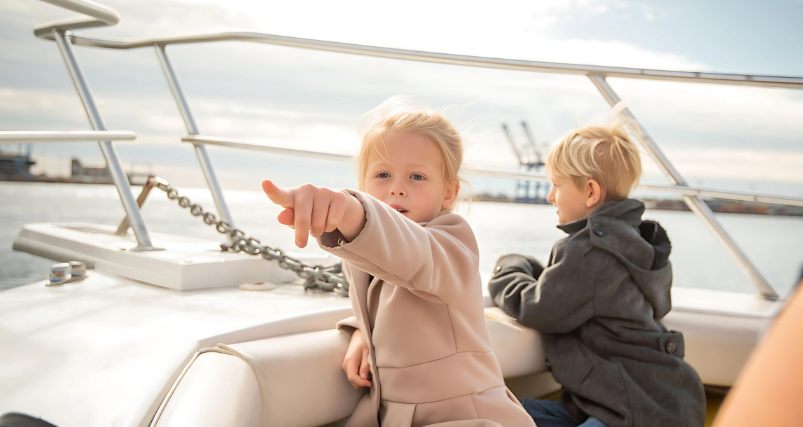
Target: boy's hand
x,y
314,210
355,364
523,263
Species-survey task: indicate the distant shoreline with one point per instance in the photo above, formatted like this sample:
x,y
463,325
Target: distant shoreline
x,y
44,179
716,205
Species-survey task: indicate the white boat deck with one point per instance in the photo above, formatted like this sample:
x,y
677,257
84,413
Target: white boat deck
x,y
104,351
183,263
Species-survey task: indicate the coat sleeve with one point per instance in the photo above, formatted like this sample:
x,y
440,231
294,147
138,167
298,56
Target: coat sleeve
x,y
348,325
353,323
558,301
440,258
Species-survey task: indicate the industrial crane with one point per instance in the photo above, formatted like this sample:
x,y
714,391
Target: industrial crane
x,y
530,157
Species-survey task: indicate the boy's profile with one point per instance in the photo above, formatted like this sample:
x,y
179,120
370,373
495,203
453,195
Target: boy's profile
x,y
599,301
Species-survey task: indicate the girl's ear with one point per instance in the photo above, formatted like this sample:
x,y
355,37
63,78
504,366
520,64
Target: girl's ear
x,y
451,195
594,196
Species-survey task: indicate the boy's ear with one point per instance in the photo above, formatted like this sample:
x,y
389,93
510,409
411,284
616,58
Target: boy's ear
x,y
451,195
593,193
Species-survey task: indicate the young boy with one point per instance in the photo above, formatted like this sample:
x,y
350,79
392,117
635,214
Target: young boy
x,y
599,301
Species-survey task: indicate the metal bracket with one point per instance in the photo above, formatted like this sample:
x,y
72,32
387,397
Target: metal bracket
x,y
152,181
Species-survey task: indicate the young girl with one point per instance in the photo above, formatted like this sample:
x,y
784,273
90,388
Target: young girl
x,y
419,338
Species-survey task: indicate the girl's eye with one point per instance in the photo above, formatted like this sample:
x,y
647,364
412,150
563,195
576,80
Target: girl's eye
x,y
417,176
383,175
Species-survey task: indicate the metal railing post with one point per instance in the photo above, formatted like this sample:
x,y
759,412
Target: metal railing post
x,y
192,129
109,153
695,203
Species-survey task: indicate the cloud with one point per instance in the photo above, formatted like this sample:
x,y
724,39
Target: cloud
x,y
314,100
738,164
715,115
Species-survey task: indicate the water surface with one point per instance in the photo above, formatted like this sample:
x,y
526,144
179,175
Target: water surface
x,y
772,243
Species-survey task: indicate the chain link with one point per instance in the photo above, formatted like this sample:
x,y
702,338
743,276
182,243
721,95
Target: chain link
x,y
327,278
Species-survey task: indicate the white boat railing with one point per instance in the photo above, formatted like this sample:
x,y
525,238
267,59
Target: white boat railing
x,y
17,137
104,16
100,16
497,173
440,58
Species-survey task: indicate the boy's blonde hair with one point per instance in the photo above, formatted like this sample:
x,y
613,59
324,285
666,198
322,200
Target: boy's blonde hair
x,y
603,153
427,123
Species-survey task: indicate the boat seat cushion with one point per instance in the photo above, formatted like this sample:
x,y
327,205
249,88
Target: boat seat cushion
x,y
300,380
216,390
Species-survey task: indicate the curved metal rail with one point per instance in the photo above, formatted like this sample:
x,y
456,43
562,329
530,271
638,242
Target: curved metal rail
x,y
99,16
103,16
451,59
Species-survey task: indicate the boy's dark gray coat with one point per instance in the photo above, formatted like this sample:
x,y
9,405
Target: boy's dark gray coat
x,y
598,305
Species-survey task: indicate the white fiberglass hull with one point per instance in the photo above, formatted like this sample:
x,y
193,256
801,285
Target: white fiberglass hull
x,y
107,350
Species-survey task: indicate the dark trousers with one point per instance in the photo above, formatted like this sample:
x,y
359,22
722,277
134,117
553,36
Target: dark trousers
x,y
548,413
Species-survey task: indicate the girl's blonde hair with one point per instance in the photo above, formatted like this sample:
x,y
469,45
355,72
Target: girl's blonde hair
x,y
427,123
603,153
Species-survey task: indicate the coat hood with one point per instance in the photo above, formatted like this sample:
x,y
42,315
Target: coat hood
x,y
643,247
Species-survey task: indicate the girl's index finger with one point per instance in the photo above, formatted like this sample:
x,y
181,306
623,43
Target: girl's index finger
x,y
277,195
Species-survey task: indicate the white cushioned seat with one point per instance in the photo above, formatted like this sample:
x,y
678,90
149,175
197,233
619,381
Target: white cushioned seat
x,y
217,390
299,378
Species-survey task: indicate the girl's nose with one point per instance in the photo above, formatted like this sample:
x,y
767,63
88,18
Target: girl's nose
x,y
398,190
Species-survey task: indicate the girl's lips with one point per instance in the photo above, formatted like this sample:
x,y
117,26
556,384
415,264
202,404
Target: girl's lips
x,y
399,208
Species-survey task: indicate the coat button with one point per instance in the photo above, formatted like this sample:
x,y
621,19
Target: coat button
x,y
599,230
548,365
671,347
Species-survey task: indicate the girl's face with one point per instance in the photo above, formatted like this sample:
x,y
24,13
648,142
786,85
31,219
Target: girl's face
x,y
572,202
410,177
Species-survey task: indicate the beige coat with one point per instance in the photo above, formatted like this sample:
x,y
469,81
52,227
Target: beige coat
x,y
423,319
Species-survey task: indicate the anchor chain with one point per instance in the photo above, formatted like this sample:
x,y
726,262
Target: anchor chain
x,y
326,278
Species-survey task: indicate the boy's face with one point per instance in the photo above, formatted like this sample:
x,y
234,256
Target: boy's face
x,y
408,176
572,202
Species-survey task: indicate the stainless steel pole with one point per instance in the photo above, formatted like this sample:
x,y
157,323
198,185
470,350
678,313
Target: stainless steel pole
x,y
695,203
192,129
112,160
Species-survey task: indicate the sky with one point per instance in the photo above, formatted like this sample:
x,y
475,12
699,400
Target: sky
x,y
717,136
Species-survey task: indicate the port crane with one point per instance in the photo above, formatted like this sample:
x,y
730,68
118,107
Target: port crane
x,y
531,157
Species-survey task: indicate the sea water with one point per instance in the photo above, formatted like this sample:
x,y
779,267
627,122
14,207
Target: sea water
x,y
773,243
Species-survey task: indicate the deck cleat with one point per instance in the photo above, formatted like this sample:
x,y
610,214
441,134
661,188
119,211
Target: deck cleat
x,y
66,272
60,274
77,270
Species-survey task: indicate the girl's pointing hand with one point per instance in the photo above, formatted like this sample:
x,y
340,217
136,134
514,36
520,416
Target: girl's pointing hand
x,y
314,210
